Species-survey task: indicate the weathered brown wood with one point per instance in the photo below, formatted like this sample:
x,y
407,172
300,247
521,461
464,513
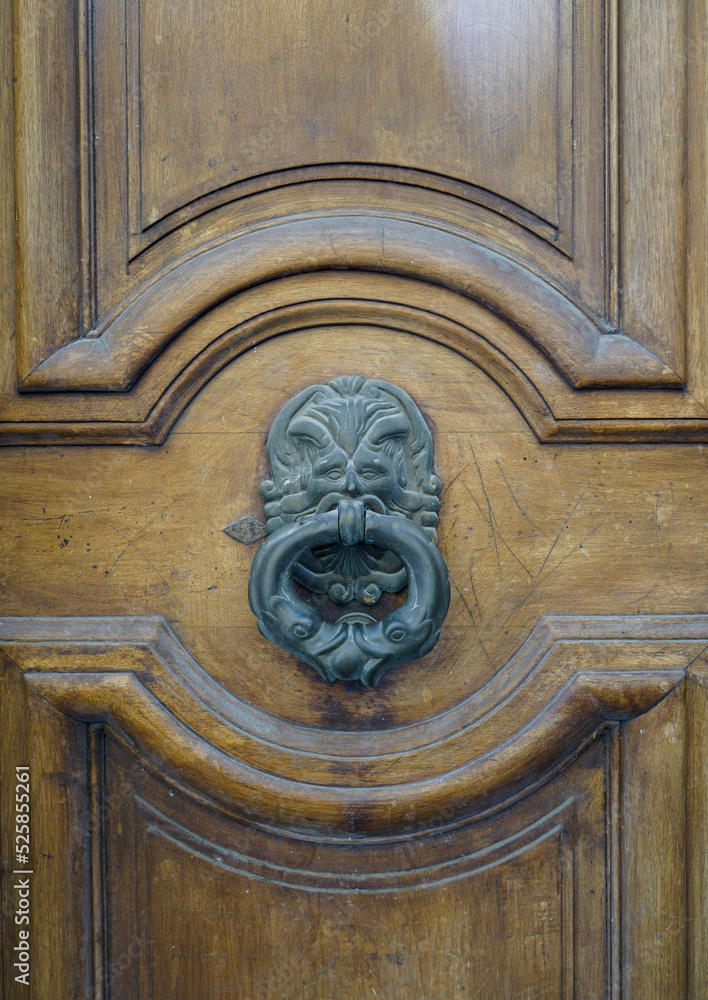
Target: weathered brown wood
x,y
696,826
379,939
46,151
653,40
625,662
696,197
394,793
551,408
193,486
654,852
622,540
53,747
501,209
116,358
531,168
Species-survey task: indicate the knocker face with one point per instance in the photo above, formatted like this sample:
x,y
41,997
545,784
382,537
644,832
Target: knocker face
x,y
353,439
336,476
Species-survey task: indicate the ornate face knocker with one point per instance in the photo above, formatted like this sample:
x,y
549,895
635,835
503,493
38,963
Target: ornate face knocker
x,y
351,513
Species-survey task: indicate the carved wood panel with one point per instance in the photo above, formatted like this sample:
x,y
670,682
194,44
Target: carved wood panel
x,y
161,883
499,209
517,157
395,921
576,614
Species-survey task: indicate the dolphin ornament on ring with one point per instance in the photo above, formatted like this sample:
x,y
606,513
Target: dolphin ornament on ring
x,y
357,647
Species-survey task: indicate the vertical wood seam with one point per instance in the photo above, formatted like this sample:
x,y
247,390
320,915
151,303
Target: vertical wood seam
x,y
96,762
87,175
611,11
613,863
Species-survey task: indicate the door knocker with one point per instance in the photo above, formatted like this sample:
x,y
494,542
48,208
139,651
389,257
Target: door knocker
x,y
351,513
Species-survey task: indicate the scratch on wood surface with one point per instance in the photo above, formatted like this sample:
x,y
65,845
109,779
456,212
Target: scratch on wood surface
x,y
494,528
558,536
456,477
540,581
665,562
513,497
329,237
472,618
309,982
540,986
489,508
479,990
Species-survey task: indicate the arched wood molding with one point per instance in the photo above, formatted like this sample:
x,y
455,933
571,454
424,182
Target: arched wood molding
x,y
559,820
345,298
585,354
342,313
573,677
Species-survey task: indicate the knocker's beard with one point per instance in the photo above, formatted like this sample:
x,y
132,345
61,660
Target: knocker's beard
x,y
346,573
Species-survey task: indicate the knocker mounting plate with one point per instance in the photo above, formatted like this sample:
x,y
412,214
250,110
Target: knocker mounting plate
x,y
352,509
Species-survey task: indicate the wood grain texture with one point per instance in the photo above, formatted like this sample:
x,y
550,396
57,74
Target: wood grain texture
x,y
198,352
653,41
525,896
697,828
527,529
580,530
554,914
697,197
453,121
515,743
359,918
37,736
489,121
177,878
123,351
46,152
509,141
654,853
8,354
499,207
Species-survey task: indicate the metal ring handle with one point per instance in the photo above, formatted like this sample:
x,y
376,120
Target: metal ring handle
x,y
357,646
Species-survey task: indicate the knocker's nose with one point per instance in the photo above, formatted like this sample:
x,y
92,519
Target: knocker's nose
x,y
352,484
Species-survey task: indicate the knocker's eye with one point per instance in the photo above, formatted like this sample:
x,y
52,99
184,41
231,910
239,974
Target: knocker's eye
x,y
333,476
370,475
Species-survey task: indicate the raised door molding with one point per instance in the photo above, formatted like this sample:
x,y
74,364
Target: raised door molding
x,y
151,785
572,679
567,240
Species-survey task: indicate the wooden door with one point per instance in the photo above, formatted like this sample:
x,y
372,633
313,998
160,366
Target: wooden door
x,y
498,208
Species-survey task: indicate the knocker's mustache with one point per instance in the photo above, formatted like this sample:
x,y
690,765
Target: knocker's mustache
x,y
332,500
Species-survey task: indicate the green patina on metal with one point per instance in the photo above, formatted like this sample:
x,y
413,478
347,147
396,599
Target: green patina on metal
x,y
352,509
355,438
